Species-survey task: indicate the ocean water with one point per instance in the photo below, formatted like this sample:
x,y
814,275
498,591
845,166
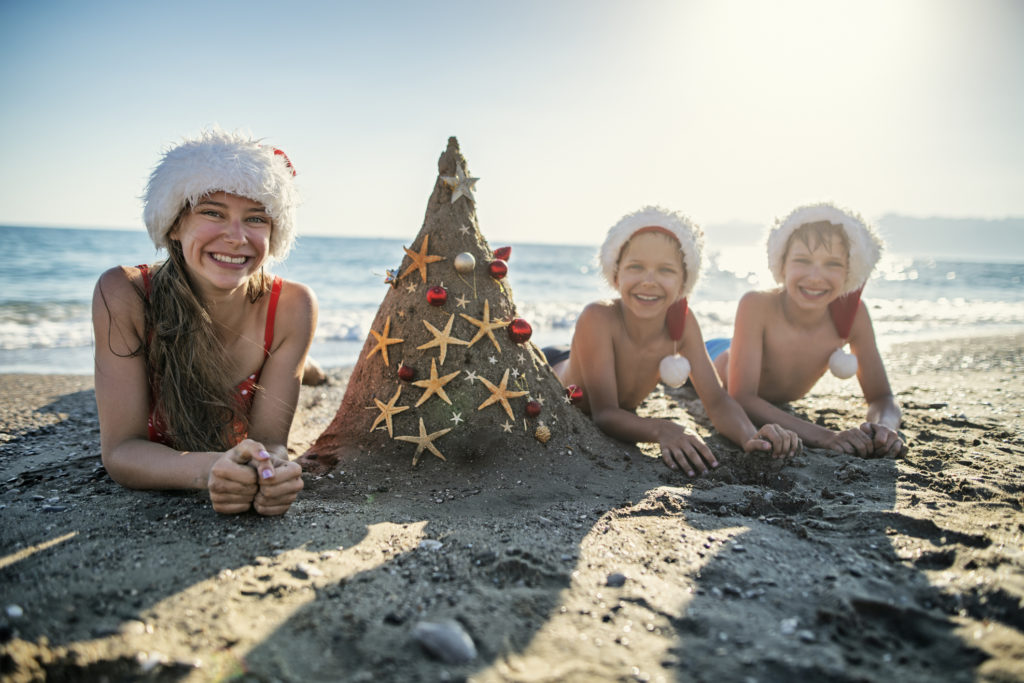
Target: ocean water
x,y
47,277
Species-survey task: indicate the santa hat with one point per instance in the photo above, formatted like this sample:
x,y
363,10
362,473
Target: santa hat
x,y
689,235
222,162
865,242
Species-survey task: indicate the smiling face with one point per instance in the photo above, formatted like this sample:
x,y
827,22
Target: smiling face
x,y
650,274
814,271
225,240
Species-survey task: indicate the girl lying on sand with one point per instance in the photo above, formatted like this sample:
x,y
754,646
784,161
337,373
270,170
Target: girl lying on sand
x,y
199,357
621,348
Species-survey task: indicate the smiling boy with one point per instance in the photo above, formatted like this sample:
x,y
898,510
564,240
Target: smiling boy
x,y
785,339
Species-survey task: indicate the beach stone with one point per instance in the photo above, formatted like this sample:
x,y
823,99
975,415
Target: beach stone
x,y
446,640
616,580
431,544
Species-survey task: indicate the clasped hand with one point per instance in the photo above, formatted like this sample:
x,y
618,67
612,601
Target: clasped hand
x,y
247,476
870,439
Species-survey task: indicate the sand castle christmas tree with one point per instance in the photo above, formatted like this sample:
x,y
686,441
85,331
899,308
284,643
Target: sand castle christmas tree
x,y
448,372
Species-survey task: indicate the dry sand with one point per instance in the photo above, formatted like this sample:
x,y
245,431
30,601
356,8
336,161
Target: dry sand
x,y
560,565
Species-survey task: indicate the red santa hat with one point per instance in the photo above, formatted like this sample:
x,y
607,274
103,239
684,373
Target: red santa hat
x,y
217,161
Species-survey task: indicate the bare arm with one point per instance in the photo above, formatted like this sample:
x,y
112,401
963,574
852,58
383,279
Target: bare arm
x,y
883,414
725,413
274,406
745,358
123,403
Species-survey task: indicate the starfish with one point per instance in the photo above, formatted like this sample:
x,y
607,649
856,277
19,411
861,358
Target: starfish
x,y
424,440
461,301
420,259
442,339
461,184
383,341
387,410
434,384
457,418
411,287
507,427
464,229
471,376
500,394
486,325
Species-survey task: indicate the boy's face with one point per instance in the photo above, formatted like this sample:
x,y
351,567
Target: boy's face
x,y
815,277
651,274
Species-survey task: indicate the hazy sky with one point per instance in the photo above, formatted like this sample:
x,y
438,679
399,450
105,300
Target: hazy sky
x,y
572,112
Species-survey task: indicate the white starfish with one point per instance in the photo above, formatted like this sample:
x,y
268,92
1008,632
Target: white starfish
x,y
461,184
471,376
411,287
507,427
464,229
522,358
492,360
457,418
540,400
461,301
515,373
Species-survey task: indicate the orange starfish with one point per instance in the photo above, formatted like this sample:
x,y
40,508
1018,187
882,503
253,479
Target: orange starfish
x,y
486,325
500,394
442,339
435,384
424,440
383,341
420,259
387,410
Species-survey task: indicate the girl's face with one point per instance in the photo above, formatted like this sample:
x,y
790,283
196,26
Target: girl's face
x,y
815,277
651,274
225,239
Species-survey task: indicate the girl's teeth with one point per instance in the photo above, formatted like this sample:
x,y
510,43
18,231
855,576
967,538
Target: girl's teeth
x,y
237,260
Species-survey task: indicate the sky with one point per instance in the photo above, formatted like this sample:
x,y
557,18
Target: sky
x,y
571,112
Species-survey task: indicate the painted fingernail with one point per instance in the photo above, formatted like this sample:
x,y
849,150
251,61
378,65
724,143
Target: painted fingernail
x,y
267,474
262,455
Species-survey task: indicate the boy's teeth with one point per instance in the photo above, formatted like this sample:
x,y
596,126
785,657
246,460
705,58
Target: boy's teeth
x,y
229,259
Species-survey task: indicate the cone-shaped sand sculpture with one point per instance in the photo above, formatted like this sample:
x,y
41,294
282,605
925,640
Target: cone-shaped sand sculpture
x,y
448,372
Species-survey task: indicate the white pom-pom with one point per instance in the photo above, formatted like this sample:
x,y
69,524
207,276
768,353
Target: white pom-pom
x,y
674,370
843,365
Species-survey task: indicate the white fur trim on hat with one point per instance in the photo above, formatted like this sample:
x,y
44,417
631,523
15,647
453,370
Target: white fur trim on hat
x,y
865,242
222,162
690,236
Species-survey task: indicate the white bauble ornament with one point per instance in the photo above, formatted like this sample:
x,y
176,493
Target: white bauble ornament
x,y
843,365
465,262
674,370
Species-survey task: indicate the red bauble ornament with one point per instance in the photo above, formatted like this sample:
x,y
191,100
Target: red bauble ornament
x,y
503,253
532,408
437,295
406,373
498,269
574,393
519,331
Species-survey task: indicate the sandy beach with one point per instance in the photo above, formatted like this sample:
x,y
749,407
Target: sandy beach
x,y
559,565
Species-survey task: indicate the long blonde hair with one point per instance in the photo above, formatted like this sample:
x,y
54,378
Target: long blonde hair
x,y
187,365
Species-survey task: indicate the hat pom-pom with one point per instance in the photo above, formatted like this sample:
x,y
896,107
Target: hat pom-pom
x,y
674,370
842,364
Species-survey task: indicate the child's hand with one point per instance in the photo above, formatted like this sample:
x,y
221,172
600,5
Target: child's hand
x,y
280,490
232,481
886,442
781,442
852,442
682,449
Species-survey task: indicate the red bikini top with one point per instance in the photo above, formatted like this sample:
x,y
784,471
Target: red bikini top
x,y
246,389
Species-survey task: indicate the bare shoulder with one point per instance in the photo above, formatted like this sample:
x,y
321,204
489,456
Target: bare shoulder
x,y
120,289
606,309
297,307
758,305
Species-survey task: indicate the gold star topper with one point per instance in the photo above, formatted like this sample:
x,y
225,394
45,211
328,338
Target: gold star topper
x,y
460,184
424,440
387,411
435,384
486,325
420,259
383,341
500,394
442,339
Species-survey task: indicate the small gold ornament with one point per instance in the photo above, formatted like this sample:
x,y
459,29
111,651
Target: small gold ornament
x,y
465,262
542,434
